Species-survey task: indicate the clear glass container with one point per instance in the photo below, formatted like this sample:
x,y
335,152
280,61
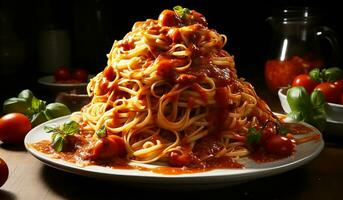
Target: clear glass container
x,y
296,46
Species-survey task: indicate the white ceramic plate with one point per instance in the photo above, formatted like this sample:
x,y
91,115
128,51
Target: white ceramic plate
x,y
218,177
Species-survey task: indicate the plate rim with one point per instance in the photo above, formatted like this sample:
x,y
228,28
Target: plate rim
x,y
201,178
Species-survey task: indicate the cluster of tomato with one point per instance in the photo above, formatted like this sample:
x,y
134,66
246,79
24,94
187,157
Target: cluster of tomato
x,y
65,75
328,81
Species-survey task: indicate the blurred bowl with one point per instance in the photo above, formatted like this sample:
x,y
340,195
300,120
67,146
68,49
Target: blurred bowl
x,y
49,83
334,112
74,101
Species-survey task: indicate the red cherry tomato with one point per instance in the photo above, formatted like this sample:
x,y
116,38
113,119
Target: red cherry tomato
x,y
330,91
305,81
342,98
62,74
108,147
269,130
279,145
3,172
168,18
14,127
339,84
80,75
179,159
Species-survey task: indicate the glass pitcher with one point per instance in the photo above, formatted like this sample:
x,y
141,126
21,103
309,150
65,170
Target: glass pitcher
x,y
296,46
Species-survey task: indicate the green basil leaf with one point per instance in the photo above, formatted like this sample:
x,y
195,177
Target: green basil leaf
x,y
53,136
298,99
317,99
15,105
38,118
49,129
333,74
318,119
296,115
181,12
27,95
253,136
70,128
316,75
54,110
101,132
58,142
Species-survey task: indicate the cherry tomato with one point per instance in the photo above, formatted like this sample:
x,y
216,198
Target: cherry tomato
x,y
279,145
269,130
339,84
14,127
168,18
179,159
62,74
108,147
80,75
305,81
342,98
330,91
3,172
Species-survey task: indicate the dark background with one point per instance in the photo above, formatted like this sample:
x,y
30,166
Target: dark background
x,y
92,26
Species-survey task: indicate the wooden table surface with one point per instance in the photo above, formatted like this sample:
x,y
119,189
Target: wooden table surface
x,y
322,178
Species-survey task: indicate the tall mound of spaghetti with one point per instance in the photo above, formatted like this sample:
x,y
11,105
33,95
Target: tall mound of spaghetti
x,y
170,93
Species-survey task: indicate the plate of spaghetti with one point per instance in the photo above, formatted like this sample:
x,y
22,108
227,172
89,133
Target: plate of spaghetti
x,y
169,106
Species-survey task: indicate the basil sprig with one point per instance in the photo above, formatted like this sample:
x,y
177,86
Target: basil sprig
x,y
60,134
181,12
101,132
308,108
326,75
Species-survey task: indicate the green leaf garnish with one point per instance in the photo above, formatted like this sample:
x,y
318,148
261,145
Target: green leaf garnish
x,y
282,130
181,12
70,128
58,142
253,136
308,108
60,134
101,132
49,129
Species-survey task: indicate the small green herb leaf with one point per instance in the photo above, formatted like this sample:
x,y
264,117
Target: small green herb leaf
x,y
317,99
253,136
61,134
27,95
333,74
316,75
49,129
282,130
296,115
70,128
58,142
298,98
181,12
101,132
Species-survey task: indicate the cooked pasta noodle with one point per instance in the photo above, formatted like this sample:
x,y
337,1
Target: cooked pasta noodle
x,y
171,93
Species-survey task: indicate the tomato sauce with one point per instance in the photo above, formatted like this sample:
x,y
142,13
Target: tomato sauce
x,y
297,129
262,156
196,166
